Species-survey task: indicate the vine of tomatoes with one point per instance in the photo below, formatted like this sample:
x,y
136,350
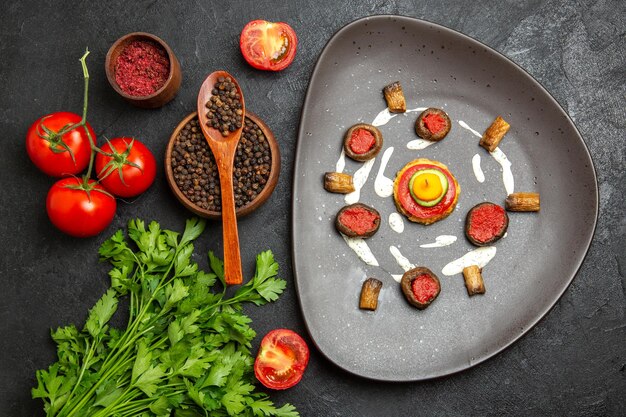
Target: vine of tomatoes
x,y
63,144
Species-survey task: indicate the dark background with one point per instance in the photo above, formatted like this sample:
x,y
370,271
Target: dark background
x,y
572,363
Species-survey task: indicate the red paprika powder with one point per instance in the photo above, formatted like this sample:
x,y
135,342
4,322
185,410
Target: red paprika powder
x,y
142,68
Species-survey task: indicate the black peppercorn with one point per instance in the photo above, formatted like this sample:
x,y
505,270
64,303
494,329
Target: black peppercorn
x,y
195,171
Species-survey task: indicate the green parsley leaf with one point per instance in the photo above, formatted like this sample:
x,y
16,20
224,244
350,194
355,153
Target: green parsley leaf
x,y
185,350
101,313
217,266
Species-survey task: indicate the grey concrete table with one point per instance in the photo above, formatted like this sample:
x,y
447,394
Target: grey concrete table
x,y
572,363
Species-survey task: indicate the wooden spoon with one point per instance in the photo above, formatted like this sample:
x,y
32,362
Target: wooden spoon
x,y
223,148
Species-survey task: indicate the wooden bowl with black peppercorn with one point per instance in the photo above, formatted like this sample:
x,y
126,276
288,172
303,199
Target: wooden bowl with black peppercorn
x,y
155,70
192,174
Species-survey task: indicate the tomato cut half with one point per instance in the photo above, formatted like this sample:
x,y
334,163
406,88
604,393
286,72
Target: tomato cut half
x,y
282,359
268,46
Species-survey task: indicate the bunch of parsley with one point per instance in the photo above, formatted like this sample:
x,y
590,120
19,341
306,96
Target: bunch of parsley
x,y
186,348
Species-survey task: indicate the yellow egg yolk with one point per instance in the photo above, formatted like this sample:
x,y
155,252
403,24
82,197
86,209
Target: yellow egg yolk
x,y
427,187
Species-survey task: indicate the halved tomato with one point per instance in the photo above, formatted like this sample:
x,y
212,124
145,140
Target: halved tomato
x,y
268,46
282,359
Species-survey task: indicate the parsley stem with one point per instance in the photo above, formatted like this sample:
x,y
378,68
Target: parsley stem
x,y
117,350
90,353
122,365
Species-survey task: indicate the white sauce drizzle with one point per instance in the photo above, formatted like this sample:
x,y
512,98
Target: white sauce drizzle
x,y
480,257
361,249
385,116
418,144
466,126
383,185
478,171
507,174
396,277
341,162
440,241
359,180
500,157
396,223
417,109
400,259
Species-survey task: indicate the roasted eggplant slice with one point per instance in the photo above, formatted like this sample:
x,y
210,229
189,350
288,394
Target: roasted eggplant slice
x,y
523,202
420,287
338,182
358,220
433,124
494,134
486,223
395,97
369,294
362,142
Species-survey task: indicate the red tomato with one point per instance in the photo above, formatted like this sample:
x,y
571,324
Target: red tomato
x,y
282,359
268,46
48,153
138,167
77,213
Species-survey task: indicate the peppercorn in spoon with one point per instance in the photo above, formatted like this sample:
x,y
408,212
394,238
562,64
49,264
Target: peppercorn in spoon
x,y
221,112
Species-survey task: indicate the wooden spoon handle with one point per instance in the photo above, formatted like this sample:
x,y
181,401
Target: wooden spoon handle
x,y
232,256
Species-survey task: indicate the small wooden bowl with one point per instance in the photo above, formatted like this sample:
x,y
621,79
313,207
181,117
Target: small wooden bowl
x,y
160,97
241,211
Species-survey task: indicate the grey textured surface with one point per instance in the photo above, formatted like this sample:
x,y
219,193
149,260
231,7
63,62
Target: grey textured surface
x,y
572,363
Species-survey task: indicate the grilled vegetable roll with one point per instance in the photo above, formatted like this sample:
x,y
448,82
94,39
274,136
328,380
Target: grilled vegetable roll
x,y
523,202
369,294
473,280
494,134
337,182
395,97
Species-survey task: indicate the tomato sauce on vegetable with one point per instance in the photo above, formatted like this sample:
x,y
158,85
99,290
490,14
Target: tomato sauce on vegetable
x,y
411,206
361,141
434,122
486,222
142,68
424,288
358,219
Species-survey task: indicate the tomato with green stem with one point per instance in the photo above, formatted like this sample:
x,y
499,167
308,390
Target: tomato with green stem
x,y
282,359
58,144
81,207
78,211
125,167
267,45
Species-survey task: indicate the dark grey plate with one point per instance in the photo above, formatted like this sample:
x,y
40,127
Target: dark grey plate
x,y
534,264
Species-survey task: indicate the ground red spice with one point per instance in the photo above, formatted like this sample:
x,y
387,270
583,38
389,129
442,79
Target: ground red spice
x,y
142,68
359,220
486,222
424,288
361,141
434,122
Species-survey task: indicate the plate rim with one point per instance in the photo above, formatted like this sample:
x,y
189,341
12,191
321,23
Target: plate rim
x,y
297,163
